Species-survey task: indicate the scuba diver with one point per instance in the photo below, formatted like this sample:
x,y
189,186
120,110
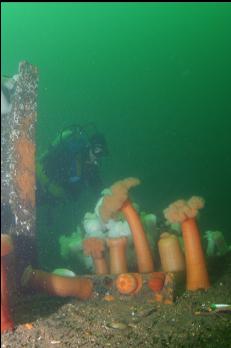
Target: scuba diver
x,y
71,164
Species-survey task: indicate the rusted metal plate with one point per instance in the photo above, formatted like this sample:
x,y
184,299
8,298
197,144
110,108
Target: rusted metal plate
x,y
105,288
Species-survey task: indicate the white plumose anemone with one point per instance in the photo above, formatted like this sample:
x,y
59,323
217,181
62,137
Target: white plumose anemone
x,y
93,226
118,229
216,244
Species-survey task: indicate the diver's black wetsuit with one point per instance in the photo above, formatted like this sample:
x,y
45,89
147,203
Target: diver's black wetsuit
x,y
67,165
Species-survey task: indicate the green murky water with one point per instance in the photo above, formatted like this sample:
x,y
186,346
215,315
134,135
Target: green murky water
x,y
155,78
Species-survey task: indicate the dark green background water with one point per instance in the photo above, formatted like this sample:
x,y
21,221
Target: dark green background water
x,y
155,78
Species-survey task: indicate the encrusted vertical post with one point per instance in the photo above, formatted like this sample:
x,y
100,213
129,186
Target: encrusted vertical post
x,y
18,163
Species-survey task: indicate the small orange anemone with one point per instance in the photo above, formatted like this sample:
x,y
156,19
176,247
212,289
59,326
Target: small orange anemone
x,y
129,283
156,281
109,298
158,297
95,247
28,326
